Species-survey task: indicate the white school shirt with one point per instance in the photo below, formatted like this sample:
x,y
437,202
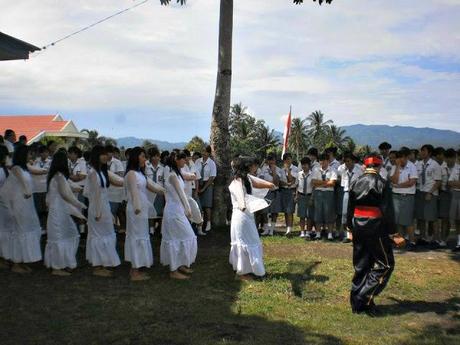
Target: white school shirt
x,y
334,164
189,186
294,172
208,168
114,193
39,184
266,174
387,165
150,171
301,179
405,174
79,167
329,175
347,176
445,175
433,173
455,176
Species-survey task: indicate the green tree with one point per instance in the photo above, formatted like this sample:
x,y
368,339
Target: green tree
x,y
92,140
147,144
318,129
196,144
298,140
336,137
350,146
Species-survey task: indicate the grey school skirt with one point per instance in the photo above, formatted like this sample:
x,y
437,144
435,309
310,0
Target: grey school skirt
x,y
206,197
444,201
426,210
455,206
270,197
287,200
324,207
404,208
305,207
275,206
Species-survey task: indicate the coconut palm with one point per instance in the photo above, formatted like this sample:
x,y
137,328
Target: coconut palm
x,y
318,128
337,137
350,146
298,140
92,139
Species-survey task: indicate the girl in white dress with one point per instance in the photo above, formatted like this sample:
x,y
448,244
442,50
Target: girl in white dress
x,y
246,252
138,249
178,243
101,244
25,237
6,220
63,237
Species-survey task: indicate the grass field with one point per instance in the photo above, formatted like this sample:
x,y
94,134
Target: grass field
x,y
302,300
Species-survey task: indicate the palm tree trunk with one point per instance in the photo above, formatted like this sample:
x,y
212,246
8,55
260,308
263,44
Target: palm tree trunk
x,y
220,137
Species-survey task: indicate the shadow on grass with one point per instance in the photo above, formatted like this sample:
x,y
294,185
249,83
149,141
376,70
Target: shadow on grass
x,y
407,306
301,279
435,334
83,309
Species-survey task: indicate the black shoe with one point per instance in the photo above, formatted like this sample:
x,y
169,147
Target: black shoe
x,y
411,247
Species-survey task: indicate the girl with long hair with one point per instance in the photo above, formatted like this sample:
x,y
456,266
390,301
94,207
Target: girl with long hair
x,y
178,243
246,252
101,249
138,249
25,237
63,237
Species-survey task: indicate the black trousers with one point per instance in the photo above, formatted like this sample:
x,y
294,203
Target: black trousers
x,y
373,261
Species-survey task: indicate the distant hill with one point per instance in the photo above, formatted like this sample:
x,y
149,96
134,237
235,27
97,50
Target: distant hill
x,y
163,145
398,136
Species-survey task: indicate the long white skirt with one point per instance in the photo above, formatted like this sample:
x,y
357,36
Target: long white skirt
x,y
138,249
6,230
62,242
246,251
178,244
26,234
101,246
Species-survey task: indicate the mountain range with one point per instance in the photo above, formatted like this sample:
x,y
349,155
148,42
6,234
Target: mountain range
x,y
371,135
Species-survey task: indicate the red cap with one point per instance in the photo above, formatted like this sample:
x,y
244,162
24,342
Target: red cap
x,y
373,160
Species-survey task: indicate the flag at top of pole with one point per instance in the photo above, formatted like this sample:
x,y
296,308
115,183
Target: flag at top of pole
x,y
287,132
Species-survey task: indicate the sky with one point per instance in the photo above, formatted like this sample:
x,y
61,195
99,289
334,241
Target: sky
x,y
151,72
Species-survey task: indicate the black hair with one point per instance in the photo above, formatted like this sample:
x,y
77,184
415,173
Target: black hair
x,y
450,153
271,157
385,146
393,152
208,149
439,151
51,142
197,154
170,161
187,152
109,148
23,138
241,166
8,133
127,152
95,162
305,160
133,161
3,154
313,151
332,150
323,157
429,148
20,156
153,151
404,152
87,155
287,155
349,155
163,156
42,149
76,150
58,164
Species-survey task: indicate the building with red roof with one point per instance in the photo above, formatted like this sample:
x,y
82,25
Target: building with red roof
x,y
36,127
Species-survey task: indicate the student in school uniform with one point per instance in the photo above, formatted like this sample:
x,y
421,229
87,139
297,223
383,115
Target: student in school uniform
x,y
438,155
270,172
39,169
78,172
349,171
287,191
324,180
403,177
384,149
445,194
414,155
338,190
426,203
6,219
115,193
454,185
154,170
208,172
304,198
312,153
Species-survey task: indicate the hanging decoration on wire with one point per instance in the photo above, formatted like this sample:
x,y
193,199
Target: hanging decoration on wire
x,y
89,27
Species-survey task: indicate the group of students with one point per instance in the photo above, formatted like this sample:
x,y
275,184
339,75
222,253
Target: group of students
x,y
423,193
65,193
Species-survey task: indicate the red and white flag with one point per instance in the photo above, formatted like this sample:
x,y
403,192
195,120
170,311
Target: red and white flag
x,y
287,132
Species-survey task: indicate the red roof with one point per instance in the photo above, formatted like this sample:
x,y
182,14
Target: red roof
x,y
31,125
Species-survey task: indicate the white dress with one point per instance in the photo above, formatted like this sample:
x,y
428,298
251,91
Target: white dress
x,y
63,238
6,220
178,243
26,234
246,251
101,245
138,249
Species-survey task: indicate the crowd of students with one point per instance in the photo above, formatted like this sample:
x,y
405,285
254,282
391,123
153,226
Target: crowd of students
x,y
64,193
423,193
